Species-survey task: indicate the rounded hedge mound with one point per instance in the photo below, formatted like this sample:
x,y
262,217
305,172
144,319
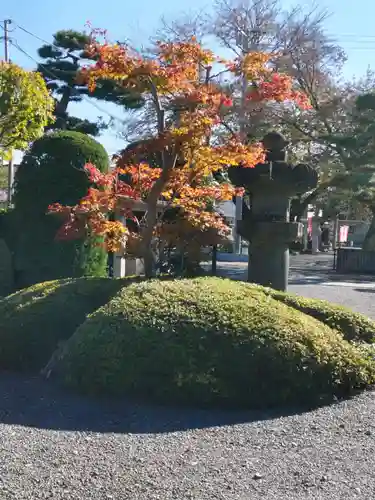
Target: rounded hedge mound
x,y
33,321
353,326
210,341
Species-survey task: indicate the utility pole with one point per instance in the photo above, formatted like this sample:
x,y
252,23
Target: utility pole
x,y
6,24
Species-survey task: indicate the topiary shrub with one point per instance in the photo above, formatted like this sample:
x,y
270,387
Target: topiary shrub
x,y
7,226
33,321
353,326
6,269
209,341
52,171
7,235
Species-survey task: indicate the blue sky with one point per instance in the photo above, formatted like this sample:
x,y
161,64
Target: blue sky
x,y
351,23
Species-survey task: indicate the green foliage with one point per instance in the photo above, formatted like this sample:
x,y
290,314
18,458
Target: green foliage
x,y
62,62
3,176
38,256
3,225
52,171
33,321
6,269
353,326
359,145
8,229
25,107
210,342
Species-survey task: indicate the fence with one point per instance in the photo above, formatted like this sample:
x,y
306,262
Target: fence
x,y
355,260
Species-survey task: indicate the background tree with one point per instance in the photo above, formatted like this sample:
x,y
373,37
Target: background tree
x,y
304,52
25,107
357,141
309,57
62,62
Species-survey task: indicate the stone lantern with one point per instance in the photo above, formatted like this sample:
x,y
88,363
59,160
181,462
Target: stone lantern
x,y
265,223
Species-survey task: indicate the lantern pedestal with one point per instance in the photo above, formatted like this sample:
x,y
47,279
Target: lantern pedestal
x,y
266,222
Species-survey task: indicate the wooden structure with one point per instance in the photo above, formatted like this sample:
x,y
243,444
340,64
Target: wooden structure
x,y
355,260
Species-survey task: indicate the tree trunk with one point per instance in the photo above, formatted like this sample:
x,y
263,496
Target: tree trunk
x,y
298,207
62,105
147,235
148,261
151,216
369,242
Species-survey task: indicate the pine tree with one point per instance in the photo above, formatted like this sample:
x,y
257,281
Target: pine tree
x,y
62,61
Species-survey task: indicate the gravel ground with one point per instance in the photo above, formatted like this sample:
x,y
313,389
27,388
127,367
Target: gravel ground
x,y
58,446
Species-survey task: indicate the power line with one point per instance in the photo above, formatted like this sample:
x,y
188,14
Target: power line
x,y
86,98
9,22
35,36
352,37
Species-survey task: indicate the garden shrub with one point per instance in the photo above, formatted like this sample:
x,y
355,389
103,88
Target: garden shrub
x,y
209,341
6,254
33,321
6,270
52,171
7,226
352,325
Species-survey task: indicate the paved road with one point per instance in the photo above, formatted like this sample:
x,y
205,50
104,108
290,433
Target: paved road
x,y
313,276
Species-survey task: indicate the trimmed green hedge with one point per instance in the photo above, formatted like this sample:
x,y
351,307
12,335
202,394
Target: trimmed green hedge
x,y
52,171
6,270
33,321
210,341
353,326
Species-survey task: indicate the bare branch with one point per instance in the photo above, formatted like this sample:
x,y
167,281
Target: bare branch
x,y
188,25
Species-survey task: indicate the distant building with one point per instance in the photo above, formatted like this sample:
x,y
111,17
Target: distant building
x,y
3,195
228,210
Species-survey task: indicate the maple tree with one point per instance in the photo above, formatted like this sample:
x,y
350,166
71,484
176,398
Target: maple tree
x,y
191,138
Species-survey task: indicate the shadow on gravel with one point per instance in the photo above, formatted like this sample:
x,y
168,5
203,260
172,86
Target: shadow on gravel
x,y
365,290
33,402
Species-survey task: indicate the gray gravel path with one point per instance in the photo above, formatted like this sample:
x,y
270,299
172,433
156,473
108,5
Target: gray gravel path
x,y
58,446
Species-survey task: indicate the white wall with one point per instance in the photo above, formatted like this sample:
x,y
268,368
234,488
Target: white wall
x,y
227,208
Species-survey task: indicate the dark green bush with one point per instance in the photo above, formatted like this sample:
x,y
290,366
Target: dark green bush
x,y
7,230
52,171
353,326
6,270
7,235
33,321
209,341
